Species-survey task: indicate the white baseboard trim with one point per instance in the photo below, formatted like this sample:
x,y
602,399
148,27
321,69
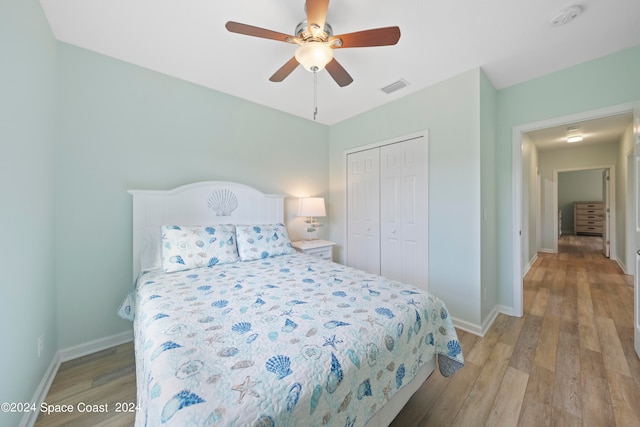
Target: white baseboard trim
x,y
467,326
506,310
529,265
488,321
486,324
547,251
94,346
29,418
621,265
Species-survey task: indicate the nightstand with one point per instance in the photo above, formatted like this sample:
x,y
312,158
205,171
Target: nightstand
x,y
320,248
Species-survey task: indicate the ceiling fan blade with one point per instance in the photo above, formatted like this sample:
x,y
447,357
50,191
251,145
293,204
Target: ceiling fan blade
x,y
250,30
377,37
317,13
338,73
285,70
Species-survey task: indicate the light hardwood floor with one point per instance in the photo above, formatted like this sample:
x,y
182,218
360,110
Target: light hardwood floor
x,y
568,362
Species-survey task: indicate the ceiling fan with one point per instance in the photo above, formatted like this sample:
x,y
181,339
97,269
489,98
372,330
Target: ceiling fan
x,y
316,42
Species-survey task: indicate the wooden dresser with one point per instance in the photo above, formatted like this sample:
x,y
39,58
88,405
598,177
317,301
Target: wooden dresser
x,y
588,218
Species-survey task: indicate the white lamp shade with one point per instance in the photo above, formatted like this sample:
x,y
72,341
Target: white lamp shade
x,y
314,54
312,206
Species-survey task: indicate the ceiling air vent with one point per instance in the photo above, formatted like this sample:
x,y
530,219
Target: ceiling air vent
x,y
402,83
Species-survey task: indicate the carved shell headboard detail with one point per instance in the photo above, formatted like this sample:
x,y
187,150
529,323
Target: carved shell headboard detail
x,y
223,202
201,203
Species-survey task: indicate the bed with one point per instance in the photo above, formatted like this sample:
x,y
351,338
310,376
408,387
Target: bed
x,y
233,327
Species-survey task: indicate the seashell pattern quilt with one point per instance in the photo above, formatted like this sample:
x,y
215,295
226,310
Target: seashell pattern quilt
x,y
285,341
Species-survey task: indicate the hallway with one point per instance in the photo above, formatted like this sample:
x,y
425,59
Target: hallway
x,y
569,361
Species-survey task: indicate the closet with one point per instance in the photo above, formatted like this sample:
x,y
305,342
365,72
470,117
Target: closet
x,y
387,210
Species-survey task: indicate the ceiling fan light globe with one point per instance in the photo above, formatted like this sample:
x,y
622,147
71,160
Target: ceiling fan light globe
x,y
314,55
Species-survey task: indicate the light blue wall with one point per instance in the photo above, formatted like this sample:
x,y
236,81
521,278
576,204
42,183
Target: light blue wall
x,y
27,135
450,110
607,81
124,127
530,190
488,214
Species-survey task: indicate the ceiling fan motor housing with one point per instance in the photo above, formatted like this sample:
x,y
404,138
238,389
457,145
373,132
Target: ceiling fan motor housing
x,y
302,31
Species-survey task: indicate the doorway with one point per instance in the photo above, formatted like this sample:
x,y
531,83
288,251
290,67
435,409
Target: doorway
x,y
521,175
588,184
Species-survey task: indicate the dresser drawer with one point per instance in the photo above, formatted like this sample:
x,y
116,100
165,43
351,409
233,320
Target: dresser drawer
x,y
588,211
324,253
588,229
588,206
589,223
318,248
589,217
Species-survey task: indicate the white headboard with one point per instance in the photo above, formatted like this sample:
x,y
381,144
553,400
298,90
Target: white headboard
x,y
200,203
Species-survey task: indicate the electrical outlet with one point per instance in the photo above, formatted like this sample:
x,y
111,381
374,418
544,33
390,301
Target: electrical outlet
x,y
40,344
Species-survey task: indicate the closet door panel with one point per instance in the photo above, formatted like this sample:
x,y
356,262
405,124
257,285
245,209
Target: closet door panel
x,y
363,211
390,228
391,211
411,269
405,222
412,262
415,171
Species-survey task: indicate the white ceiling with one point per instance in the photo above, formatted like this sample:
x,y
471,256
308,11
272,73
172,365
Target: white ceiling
x,y
602,130
511,40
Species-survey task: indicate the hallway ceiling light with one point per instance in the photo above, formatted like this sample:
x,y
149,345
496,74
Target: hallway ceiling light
x,y
574,134
575,138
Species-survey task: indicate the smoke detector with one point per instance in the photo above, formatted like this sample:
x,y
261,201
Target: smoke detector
x,y
565,16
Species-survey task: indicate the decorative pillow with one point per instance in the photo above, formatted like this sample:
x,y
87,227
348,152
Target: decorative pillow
x,y
150,248
262,241
184,248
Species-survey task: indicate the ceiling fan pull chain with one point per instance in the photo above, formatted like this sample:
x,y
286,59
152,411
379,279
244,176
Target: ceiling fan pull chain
x,y
315,92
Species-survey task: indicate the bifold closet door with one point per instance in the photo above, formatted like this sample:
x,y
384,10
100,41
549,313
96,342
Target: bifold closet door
x,y
363,210
404,212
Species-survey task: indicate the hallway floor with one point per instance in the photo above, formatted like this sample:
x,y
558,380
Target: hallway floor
x,y
569,361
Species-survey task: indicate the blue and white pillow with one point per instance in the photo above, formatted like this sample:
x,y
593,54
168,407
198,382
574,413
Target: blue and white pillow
x,y
184,248
262,241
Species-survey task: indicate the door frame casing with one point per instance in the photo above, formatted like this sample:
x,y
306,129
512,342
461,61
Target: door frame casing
x,y
630,249
516,184
636,224
609,199
612,203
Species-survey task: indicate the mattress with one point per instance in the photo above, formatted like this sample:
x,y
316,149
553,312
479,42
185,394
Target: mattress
x,y
284,341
